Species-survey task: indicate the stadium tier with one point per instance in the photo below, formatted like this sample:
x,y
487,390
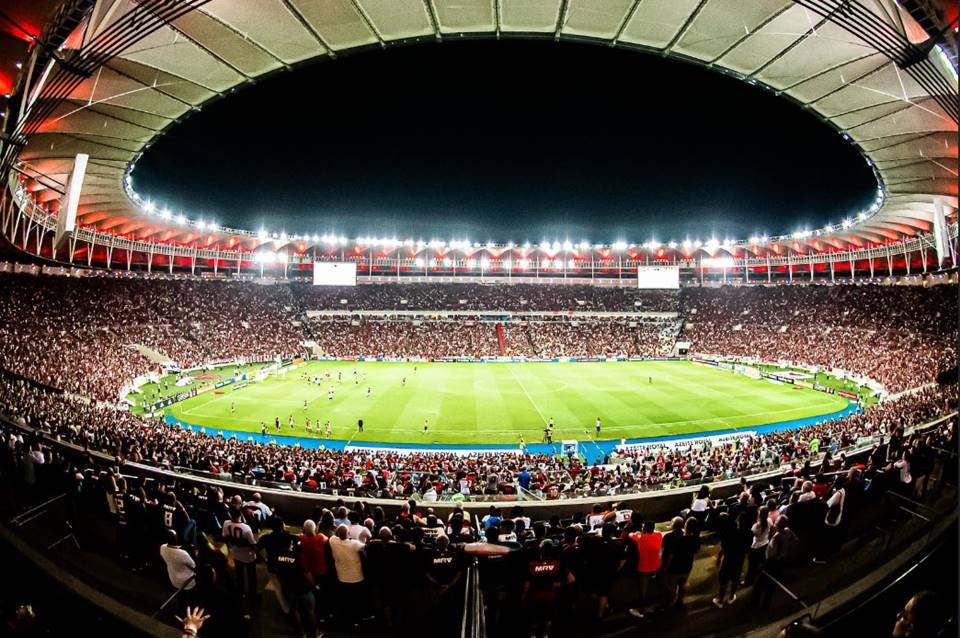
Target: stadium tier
x,y
899,337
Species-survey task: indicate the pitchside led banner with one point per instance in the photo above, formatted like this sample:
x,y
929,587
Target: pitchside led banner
x,y
327,273
658,277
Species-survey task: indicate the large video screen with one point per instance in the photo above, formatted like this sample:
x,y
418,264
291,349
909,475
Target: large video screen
x,y
327,273
658,277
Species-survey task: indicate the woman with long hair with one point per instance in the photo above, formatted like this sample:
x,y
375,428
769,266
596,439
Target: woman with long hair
x,y
758,548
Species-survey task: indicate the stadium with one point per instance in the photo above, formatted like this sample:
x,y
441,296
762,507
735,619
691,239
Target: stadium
x,y
290,428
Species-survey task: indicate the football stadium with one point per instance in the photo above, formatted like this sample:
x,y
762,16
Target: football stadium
x,y
479,318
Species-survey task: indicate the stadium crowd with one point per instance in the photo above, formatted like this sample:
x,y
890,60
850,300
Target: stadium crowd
x,y
339,568
488,297
71,344
900,336
79,336
90,336
473,338
448,475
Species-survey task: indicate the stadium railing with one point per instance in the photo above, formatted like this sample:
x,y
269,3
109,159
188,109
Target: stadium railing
x,y
473,623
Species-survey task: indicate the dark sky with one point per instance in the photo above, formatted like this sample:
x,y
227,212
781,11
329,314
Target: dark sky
x,y
509,140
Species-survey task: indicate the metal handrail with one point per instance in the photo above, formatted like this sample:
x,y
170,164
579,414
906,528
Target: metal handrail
x,y
473,623
886,588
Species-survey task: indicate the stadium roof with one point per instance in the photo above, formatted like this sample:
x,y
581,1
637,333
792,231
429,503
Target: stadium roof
x,y
898,106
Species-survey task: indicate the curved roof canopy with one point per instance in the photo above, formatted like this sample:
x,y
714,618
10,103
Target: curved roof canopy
x,y
788,46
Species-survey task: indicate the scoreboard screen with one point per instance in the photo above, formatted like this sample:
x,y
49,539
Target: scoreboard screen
x,y
327,273
658,277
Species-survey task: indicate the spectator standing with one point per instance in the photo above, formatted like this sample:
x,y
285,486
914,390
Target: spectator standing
x,y
242,544
347,558
678,563
643,553
544,578
735,541
761,531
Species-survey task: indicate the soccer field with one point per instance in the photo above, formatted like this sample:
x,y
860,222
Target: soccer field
x,y
487,403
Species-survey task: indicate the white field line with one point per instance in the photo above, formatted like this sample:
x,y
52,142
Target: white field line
x,y
720,419
529,398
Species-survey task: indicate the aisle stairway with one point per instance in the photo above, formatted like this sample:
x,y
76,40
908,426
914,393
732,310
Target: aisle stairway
x,y
500,341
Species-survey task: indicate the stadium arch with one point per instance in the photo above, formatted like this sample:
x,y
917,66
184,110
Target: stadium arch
x,y
892,95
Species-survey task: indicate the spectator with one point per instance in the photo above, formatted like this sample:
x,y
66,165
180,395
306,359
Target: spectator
x,y
678,563
347,558
736,539
242,544
643,551
181,568
544,578
921,617
761,530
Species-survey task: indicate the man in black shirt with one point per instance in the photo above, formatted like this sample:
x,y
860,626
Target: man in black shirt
x,y
501,566
601,557
386,559
735,540
173,515
443,568
678,564
294,585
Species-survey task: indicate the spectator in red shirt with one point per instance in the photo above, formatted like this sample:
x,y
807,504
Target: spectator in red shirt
x,y
643,552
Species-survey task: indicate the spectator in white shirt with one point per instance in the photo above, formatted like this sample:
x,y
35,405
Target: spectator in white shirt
x,y
806,492
242,544
347,558
255,503
181,567
356,531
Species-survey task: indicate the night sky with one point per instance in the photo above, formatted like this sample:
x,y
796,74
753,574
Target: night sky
x,y
507,140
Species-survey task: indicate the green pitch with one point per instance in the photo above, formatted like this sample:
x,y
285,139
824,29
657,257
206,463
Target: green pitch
x,y
477,403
